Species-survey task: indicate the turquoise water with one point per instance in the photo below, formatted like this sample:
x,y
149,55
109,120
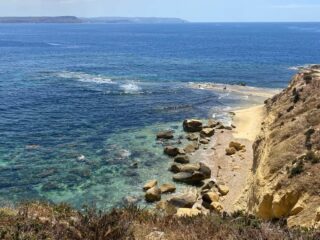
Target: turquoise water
x,y
80,104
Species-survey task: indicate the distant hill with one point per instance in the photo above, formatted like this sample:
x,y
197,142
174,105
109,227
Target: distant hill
x,y
73,19
60,19
150,20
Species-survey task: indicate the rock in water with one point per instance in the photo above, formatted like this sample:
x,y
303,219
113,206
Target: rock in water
x,y
190,167
165,135
192,125
182,159
192,173
190,178
150,184
207,132
167,188
153,194
173,151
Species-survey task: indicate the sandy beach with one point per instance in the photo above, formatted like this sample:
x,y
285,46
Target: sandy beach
x,y
233,170
248,122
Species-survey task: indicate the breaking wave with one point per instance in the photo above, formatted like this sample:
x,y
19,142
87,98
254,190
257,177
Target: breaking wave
x,y
85,77
131,88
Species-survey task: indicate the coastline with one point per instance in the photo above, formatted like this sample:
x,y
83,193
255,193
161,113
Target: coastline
x,y
231,171
234,171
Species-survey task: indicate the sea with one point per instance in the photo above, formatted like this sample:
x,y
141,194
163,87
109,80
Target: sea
x,y
80,104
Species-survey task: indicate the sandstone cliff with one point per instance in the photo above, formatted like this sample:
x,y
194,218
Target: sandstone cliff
x,y
285,180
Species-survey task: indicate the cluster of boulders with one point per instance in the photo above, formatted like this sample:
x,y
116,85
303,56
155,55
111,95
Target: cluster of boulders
x,y
195,202
186,171
235,147
153,192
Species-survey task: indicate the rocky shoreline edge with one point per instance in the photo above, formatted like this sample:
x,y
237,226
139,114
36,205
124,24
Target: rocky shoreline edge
x,y
205,192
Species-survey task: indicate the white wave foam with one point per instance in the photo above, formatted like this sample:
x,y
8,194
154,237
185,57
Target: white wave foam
x,y
85,77
54,44
124,153
300,67
131,88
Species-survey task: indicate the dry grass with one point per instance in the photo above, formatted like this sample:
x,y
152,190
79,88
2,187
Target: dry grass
x,y
42,221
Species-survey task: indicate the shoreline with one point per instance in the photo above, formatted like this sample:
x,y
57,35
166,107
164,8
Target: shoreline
x,y
248,122
234,171
228,171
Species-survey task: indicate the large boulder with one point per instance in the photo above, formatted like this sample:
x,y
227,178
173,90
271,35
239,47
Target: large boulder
x,y
192,125
182,159
167,188
210,197
153,194
190,167
165,135
150,184
205,170
189,177
207,132
173,151
192,173
185,200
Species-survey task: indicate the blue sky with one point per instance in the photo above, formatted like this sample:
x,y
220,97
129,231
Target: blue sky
x,y
193,10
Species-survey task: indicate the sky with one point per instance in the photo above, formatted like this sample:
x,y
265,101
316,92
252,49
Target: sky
x,y
192,10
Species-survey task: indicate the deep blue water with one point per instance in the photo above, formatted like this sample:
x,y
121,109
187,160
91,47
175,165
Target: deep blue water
x,y
81,103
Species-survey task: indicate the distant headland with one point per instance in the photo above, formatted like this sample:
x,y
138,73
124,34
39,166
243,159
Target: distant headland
x,y
73,19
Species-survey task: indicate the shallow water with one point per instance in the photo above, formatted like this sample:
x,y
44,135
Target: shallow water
x,y
81,103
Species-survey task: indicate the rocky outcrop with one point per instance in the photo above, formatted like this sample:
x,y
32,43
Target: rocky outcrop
x,y
153,194
182,159
192,173
185,200
167,188
150,184
192,125
173,151
165,135
285,179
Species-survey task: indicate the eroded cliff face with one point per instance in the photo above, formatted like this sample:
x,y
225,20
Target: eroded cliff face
x,y
285,179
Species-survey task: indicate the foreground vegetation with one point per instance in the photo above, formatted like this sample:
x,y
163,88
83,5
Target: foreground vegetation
x,y
43,221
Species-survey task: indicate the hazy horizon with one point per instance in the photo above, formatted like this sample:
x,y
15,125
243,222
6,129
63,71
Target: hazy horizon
x,y
193,11
187,21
